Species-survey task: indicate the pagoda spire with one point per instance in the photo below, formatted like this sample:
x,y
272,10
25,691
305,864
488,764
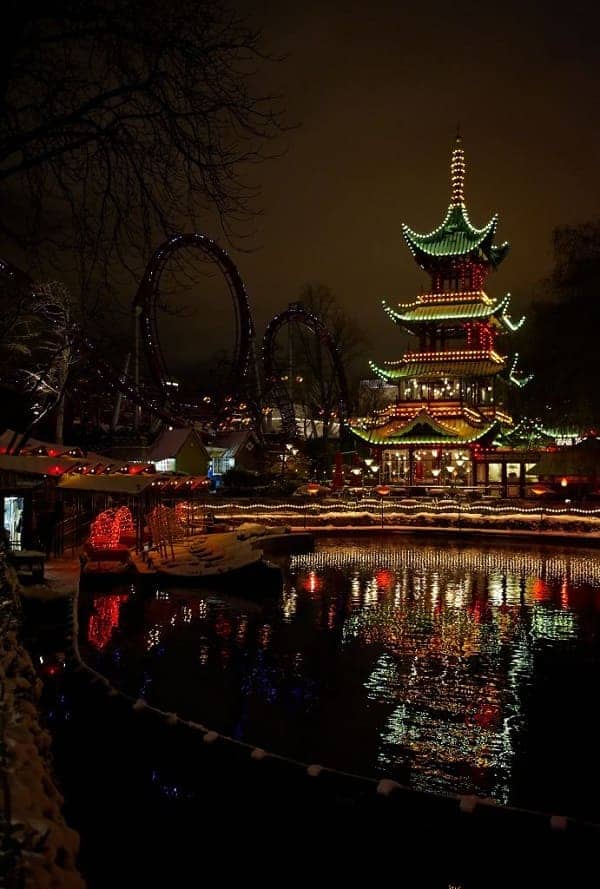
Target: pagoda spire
x,y
457,173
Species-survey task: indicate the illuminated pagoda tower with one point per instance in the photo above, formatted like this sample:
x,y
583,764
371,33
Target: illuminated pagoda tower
x,y
448,411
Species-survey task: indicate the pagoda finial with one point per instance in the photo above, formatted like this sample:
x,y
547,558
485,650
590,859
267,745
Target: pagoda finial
x,y
457,172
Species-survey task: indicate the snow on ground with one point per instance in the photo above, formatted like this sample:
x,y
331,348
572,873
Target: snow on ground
x,y
61,578
46,846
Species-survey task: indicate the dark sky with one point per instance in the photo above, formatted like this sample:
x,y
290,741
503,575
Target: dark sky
x,y
378,89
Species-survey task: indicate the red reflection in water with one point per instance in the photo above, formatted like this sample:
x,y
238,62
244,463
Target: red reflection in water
x,y
540,590
384,579
477,610
312,583
485,715
160,611
223,627
105,619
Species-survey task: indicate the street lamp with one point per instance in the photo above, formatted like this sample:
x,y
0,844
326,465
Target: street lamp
x,y
356,471
312,489
290,451
383,491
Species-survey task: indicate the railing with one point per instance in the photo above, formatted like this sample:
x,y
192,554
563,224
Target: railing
x,y
392,507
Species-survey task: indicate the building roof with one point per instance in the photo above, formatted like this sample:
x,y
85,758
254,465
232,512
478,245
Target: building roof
x,y
109,484
460,363
53,449
170,442
231,443
41,466
456,236
453,308
424,429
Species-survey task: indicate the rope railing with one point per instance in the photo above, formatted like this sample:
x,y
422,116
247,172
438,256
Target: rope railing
x,y
358,786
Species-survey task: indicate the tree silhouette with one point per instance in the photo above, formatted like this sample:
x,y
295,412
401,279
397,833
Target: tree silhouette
x,y
121,122
562,347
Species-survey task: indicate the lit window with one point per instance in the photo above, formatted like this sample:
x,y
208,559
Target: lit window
x,y
167,465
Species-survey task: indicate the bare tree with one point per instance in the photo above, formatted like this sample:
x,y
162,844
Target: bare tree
x,y
122,121
313,380
36,348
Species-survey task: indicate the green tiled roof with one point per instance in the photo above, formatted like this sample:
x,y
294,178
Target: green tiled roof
x,y
432,370
450,311
456,237
421,431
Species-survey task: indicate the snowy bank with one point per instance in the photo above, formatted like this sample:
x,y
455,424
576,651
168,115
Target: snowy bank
x,y
42,848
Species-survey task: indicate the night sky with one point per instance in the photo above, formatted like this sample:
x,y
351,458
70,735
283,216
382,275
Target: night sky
x,y
378,90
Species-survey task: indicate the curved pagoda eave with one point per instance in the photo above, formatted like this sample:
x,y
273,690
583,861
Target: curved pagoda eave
x,y
456,238
421,312
447,366
375,437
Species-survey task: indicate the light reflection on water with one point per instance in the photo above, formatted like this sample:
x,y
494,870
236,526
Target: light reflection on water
x,y
438,666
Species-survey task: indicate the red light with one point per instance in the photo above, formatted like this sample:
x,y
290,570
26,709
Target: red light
x,y
384,579
312,583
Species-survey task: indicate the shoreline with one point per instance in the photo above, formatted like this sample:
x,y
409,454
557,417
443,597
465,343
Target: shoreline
x,y
584,539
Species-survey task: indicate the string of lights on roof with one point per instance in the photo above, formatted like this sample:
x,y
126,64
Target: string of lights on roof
x,y
457,175
461,237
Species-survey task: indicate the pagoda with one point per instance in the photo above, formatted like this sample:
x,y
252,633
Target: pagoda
x,y
450,384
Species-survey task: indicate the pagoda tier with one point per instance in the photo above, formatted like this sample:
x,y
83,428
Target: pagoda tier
x,y
425,430
444,308
452,364
456,251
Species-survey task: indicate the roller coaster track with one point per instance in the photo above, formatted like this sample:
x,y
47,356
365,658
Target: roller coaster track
x,y
146,304
296,313
113,380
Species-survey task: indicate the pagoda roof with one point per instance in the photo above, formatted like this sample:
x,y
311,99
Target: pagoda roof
x,y
448,364
456,236
453,309
527,433
422,430
516,377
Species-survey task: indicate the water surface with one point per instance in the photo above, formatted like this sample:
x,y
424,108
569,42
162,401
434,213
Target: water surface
x,y
451,668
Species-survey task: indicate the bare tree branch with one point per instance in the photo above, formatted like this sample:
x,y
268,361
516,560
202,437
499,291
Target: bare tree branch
x,y
121,123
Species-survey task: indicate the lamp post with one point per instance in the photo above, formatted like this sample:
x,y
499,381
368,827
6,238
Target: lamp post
x,y
312,489
356,471
290,451
383,491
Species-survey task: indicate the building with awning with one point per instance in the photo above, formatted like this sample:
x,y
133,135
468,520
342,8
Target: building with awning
x,y
50,492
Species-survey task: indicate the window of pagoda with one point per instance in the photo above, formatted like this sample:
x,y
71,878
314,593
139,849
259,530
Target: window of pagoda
x,y
459,276
479,335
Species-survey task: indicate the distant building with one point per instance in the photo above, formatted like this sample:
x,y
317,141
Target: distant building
x,y
238,449
175,450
